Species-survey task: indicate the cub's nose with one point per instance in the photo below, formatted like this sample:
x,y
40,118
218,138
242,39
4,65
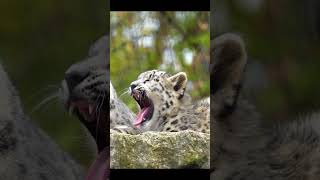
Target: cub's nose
x,y
132,86
75,77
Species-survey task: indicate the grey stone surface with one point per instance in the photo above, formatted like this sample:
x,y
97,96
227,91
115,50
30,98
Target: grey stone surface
x,y
160,150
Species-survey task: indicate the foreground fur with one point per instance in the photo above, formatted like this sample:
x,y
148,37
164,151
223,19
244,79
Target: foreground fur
x,y
242,147
26,152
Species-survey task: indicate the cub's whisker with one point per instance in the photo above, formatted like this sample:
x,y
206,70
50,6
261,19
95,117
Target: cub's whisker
x,y
124,93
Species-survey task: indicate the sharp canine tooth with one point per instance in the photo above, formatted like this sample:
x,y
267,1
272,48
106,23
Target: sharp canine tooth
x,y
90,109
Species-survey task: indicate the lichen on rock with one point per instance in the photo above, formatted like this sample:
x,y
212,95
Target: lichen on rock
x,y
160,150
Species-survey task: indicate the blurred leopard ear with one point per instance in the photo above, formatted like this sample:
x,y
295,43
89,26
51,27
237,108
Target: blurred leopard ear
x,y
179,82
228,61
101,45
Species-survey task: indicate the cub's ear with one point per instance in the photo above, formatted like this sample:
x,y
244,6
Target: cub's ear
x,y
228,61
179,82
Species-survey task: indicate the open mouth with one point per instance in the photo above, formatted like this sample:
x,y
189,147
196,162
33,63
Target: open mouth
x,y
93,116
146,107
85,110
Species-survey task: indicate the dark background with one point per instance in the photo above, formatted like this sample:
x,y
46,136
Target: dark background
x,y
39,40
161,174
159,5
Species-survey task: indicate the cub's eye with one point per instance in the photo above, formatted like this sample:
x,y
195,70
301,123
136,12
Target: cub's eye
x,y
146,81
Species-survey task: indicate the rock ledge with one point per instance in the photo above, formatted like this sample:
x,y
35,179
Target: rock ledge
x,y
160,150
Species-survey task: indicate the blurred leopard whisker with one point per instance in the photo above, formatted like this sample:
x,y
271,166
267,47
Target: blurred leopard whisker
x,y
45,101
97,104
98,113
51,88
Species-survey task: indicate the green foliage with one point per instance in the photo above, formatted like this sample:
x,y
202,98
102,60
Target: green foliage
x,y
173,35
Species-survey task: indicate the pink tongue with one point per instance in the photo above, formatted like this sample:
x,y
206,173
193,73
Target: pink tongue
x,y
140,116
99,170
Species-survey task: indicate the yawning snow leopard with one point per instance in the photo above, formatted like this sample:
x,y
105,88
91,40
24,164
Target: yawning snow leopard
x,y
85,93
28,153
164,106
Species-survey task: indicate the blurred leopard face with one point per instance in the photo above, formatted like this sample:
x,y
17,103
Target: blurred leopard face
x,y
85,91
